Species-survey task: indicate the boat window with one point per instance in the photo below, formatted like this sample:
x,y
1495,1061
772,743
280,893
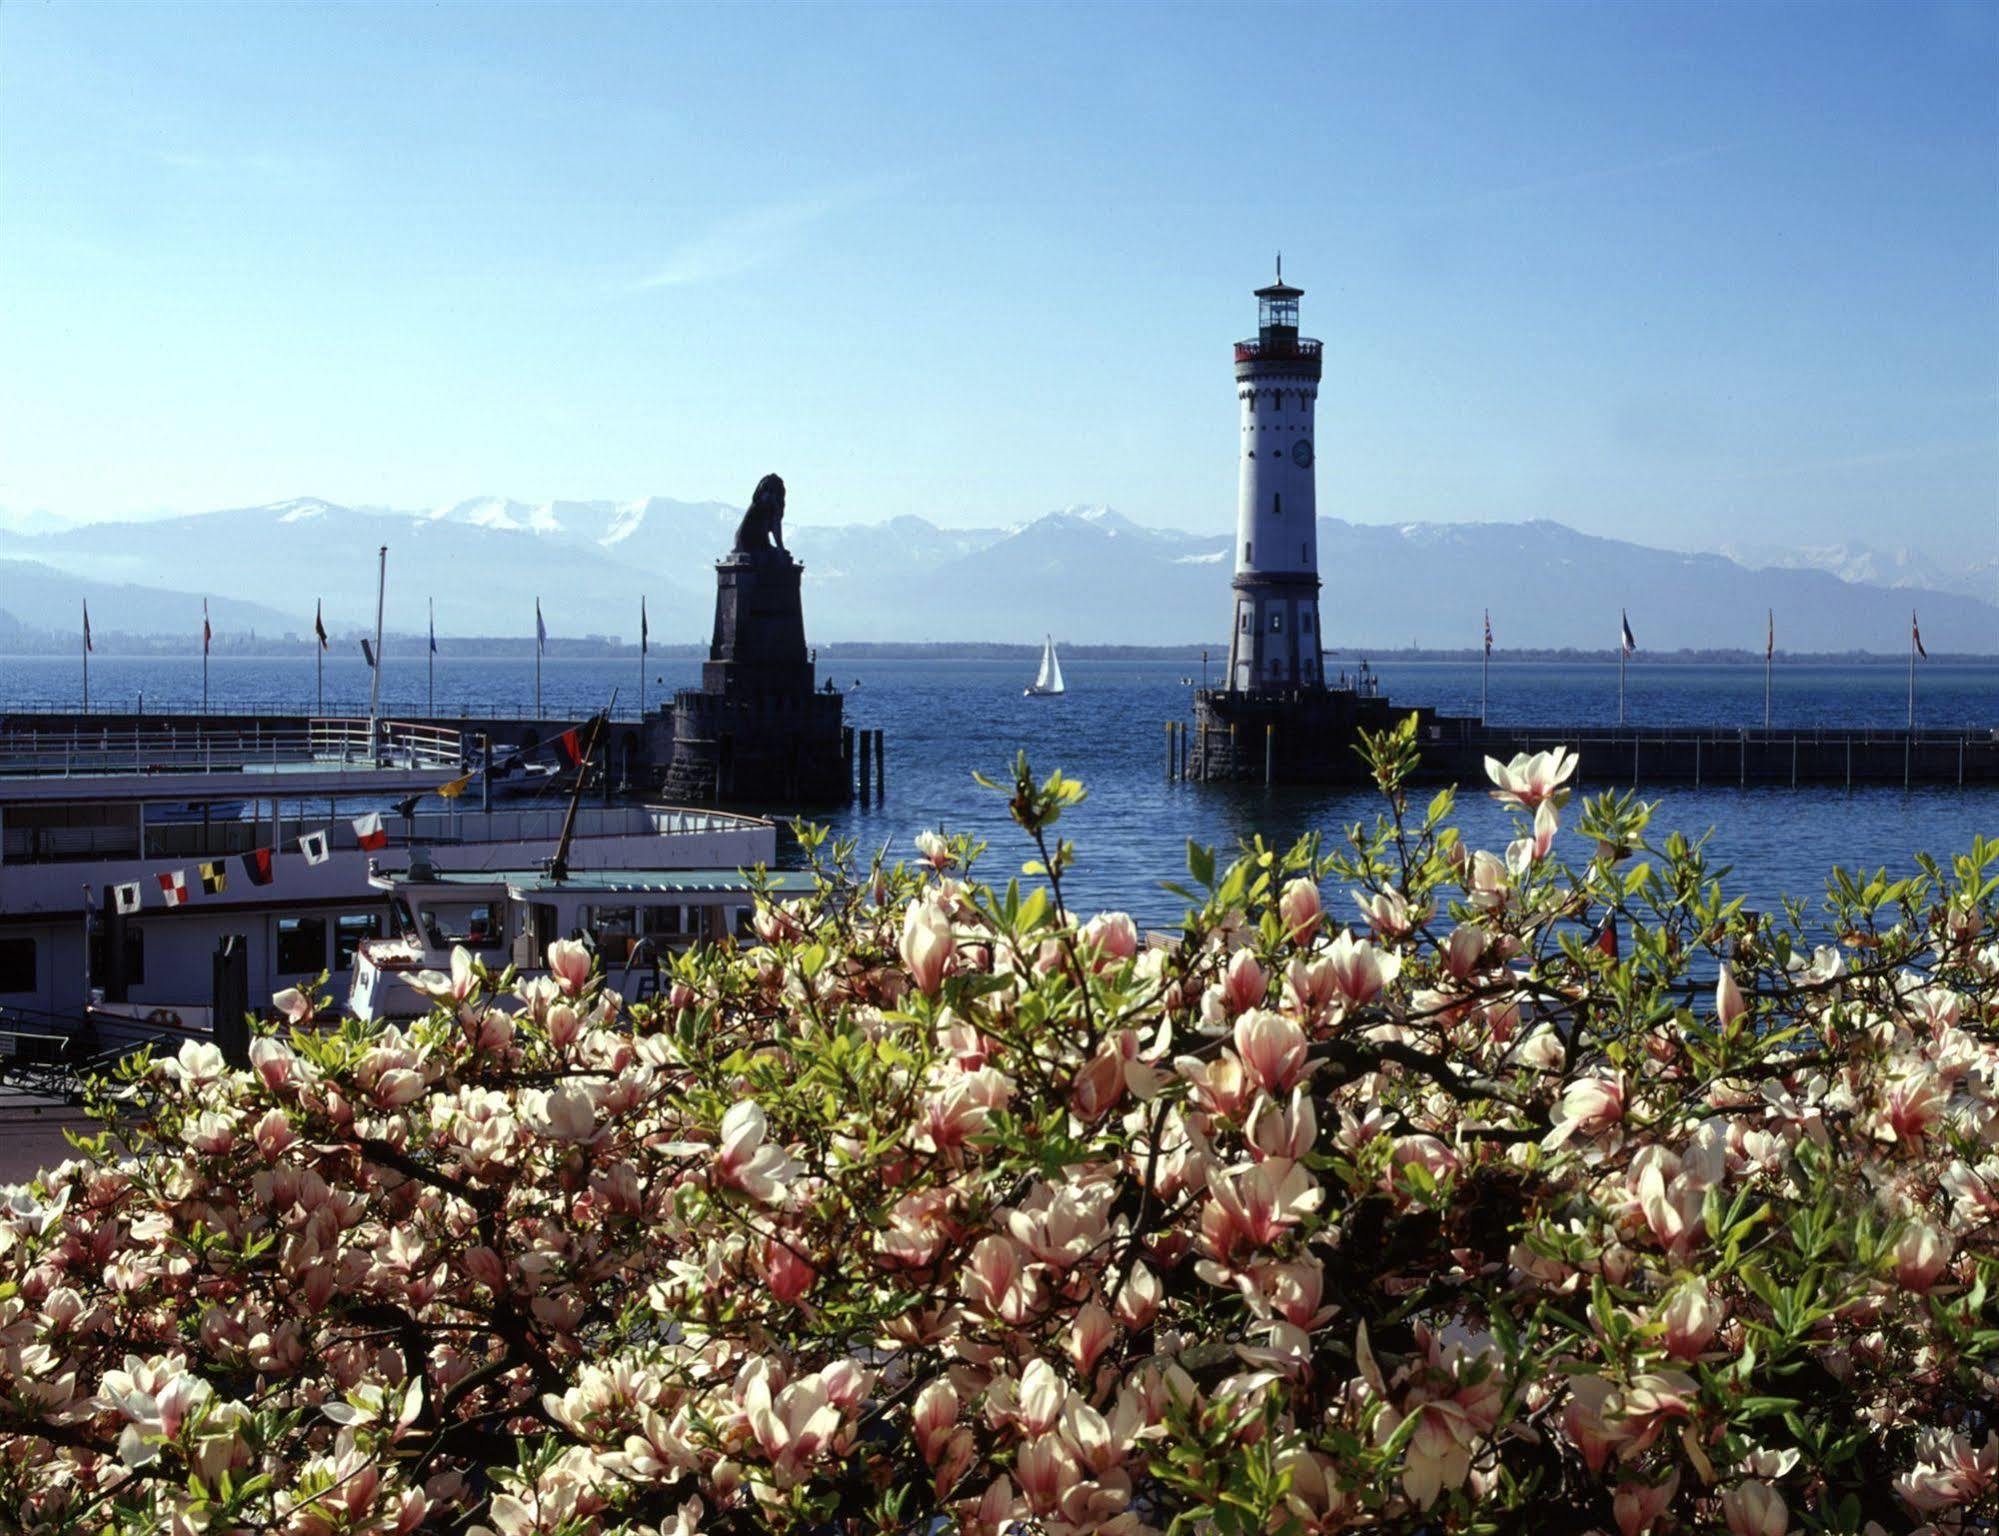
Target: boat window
x,y
613,929
664,922
475,924
17,965
301,945
405,920
349,929
135,954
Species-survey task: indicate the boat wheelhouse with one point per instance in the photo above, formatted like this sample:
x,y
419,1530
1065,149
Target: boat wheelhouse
x,y
269,817
631,919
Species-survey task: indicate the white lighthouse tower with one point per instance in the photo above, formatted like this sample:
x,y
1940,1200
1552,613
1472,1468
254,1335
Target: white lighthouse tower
x,y
1274,642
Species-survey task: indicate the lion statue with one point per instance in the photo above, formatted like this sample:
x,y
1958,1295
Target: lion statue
x,y
762,526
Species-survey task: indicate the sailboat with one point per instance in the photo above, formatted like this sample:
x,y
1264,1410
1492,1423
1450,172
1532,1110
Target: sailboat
x,y
1048,680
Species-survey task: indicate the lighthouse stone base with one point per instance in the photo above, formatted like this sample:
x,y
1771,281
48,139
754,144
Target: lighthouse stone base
x,y
757,730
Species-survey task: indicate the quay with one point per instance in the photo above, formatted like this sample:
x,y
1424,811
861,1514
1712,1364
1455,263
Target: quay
x,y
1312,736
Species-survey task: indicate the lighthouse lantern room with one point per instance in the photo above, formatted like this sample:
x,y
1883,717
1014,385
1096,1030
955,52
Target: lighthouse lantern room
x,y
1274,643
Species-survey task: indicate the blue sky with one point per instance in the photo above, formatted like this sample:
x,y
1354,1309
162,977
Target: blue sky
x,y
1686,273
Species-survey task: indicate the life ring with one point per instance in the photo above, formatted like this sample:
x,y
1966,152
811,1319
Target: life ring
x,y
166,1018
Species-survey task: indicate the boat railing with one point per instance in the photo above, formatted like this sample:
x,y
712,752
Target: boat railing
x,y
446,828
390,743
83,749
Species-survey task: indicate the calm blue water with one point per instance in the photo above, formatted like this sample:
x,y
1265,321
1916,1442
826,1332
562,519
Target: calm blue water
x,y
945,718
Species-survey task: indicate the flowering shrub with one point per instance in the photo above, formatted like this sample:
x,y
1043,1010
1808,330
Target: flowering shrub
x,y
1498,1189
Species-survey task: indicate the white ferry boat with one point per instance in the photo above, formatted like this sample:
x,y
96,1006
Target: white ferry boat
x,y
126,860
631,919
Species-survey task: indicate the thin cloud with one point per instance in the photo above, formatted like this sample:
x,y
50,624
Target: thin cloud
x,y
754,238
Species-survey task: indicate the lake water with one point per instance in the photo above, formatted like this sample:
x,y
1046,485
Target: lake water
x,y
944,718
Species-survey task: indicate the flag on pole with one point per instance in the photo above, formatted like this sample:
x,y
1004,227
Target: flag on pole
x,y
643,632
257,865
1770,640
433,627
1916,635
455,788
207,633
572,747
1624,621
319,623
367,651
173,887
369,831
126,897
214,877
1605,940
540,629
86,626
1488,631
313,846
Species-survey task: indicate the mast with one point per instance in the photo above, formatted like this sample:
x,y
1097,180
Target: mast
x,y
375,678
558,867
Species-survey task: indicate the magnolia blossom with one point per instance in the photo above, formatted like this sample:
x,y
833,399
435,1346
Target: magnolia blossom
x,y
1755,1508
1245,983
746,1162
1359,970
1298,909
568,965
935,849
927,945
1529,779
1272,1050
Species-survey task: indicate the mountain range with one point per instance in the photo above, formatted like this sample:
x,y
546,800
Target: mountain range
x,y
1084,574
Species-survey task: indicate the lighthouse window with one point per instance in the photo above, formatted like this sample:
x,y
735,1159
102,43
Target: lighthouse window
x,y
1277,623
1248,553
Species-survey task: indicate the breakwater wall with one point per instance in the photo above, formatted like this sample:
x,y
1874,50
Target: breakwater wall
x,y
1312,738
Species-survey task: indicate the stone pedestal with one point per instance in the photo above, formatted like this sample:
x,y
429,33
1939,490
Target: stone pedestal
x,y
757,731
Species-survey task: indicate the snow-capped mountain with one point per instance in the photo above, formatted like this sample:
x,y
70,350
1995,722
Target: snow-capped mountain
x,y
1086,573
1898,567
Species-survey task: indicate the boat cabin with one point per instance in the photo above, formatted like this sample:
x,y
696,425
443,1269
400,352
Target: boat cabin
x,y
631,918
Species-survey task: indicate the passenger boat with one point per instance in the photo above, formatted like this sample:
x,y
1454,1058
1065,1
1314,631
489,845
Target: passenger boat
x,y
631,920
287,835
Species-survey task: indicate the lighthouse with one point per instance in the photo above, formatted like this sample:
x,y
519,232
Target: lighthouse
x,y
1274,642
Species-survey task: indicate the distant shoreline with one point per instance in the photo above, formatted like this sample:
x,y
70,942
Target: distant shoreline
x,y
514,648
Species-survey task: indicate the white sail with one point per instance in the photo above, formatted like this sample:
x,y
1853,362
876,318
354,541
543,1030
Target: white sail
x,y
1049,678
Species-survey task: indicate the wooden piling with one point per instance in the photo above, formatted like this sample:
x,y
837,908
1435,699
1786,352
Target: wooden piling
x,y
847,757
881,766
1169,751
1270,753
1183,755
867,755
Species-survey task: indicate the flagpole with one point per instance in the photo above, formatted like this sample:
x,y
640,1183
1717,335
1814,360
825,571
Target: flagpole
x,y
1912,671
433,656
204,655
1620,679
537,658
375,679
86,660
642,656
1769,650
1484,669
318,661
